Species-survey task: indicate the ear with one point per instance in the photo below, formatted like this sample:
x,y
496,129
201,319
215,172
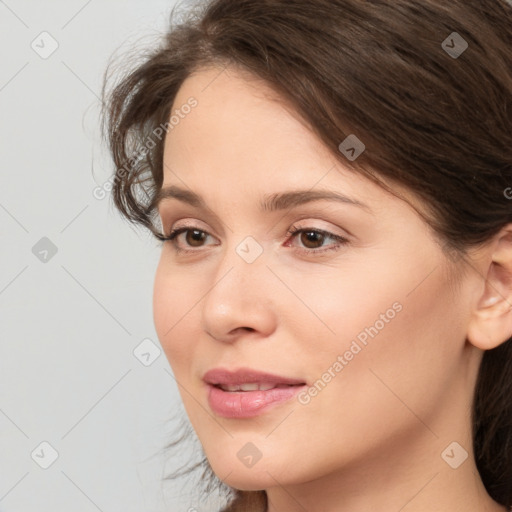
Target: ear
x,y
491,320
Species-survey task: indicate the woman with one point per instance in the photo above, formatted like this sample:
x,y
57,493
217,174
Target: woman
x,y
333,181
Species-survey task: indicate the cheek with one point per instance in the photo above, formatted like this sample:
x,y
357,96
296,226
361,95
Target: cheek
x,y
330,309
397,339
173,311
391,319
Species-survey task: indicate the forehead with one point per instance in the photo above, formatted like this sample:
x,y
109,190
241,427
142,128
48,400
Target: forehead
x,y
241,127
242,136
234,110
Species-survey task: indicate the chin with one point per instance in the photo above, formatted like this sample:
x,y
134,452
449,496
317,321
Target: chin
x,y
262,475
235,473
246,480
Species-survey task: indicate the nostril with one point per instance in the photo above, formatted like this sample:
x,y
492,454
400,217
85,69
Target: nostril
x,y
248,329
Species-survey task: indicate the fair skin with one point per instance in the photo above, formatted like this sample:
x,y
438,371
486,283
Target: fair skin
x,y
372,439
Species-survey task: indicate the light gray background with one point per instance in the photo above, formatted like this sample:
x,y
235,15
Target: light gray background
x,y
69,325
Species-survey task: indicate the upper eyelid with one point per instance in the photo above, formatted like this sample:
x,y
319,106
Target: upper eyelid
x,y
193,225
179,230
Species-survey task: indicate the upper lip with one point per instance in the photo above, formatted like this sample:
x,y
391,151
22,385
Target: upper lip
x,y
221,376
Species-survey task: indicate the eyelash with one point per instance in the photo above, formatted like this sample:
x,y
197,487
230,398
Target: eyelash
x,y
341,241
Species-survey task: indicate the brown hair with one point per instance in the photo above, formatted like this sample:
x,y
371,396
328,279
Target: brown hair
x,y
433,109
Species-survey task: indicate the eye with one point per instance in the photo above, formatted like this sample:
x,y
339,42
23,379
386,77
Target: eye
x,y
194,236
314,236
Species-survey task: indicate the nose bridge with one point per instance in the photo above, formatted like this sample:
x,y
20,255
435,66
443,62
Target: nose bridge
x,y
241,269
238,296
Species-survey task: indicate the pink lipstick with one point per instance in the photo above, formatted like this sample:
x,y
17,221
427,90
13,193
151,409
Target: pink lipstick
x,y
245,393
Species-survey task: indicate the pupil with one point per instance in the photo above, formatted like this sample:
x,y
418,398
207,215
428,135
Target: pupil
x,y
193,237
312,236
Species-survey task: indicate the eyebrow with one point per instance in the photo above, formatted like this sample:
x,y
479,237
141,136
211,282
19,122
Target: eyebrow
x,y
269,203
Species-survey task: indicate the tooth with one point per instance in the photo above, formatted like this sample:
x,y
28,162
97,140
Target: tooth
x,y
231,388
264,387
249,386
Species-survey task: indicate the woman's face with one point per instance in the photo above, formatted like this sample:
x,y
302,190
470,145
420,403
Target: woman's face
x,y
368,322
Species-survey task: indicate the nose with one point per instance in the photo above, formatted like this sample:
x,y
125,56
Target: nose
x,y
240,299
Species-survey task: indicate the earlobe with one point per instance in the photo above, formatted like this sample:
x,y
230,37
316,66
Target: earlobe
x,y
491,320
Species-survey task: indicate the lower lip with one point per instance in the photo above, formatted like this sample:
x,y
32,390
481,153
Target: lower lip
x,y
246,404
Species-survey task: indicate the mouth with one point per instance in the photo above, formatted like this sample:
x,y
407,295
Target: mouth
x,y
246,393
253,386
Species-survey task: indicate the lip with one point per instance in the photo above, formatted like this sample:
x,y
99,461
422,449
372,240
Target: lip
x,y
226,377
247,404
